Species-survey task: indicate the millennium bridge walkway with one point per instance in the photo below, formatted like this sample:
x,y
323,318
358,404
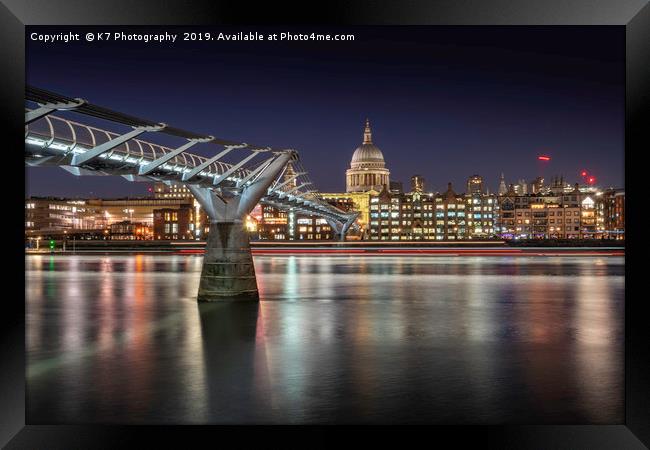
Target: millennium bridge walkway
x,y
227,191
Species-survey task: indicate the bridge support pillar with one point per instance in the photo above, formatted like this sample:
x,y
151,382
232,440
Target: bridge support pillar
x,y
228,271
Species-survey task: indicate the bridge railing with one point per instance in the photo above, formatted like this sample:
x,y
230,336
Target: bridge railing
x,y
67,136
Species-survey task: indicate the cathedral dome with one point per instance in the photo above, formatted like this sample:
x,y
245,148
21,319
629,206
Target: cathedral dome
x,y
367,170
367,154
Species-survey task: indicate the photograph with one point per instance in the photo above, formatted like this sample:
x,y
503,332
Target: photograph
x,y
374,225
315,225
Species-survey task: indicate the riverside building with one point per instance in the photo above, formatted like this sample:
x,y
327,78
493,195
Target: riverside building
x,y
46,215
610,214
50,214
560,215
277,225
416,215
480,210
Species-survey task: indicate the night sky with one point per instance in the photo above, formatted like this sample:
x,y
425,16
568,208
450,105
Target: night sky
x,y
444,102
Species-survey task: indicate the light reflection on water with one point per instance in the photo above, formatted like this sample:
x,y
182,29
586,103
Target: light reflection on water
x,y
121,339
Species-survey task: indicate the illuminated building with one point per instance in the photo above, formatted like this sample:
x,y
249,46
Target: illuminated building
x,y
134,209
521,187
275,224
417,183
480,210
475,185
537,185
312,228
429,216
610,211
502,185
58,215
367,170
174,223
171,190
451,220
366,177
588,222
44,214
401,216
272,224
179,191
353,201
127,230
505,214
564,215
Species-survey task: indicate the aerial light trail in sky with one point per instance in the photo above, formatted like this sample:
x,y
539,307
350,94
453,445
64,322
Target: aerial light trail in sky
x,y
588,178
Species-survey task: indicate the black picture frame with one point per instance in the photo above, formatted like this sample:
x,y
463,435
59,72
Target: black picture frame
x,y
634,15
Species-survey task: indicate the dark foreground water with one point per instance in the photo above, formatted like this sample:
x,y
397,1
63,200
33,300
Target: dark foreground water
x,y
121,339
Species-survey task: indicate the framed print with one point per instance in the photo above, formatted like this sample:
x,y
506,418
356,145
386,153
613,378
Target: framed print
x,y
365,213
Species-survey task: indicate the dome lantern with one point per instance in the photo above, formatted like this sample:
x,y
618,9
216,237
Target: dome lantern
x,y
367,133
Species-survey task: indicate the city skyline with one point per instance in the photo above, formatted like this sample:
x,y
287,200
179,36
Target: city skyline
x,y
498,101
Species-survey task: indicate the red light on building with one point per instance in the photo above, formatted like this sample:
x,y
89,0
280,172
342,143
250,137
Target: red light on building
x,y
591,180
544,158
583,173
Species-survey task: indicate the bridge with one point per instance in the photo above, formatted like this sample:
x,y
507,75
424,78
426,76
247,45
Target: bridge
x,y
227,184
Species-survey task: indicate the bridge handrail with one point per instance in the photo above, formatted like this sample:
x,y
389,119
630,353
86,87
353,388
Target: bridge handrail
x,y
188,160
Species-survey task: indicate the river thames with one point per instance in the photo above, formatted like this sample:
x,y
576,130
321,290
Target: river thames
x,y
335,339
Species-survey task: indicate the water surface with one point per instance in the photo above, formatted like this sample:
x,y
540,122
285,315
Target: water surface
x,y
359,339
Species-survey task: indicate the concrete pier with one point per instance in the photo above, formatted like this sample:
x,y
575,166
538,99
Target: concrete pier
x,y
228,272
